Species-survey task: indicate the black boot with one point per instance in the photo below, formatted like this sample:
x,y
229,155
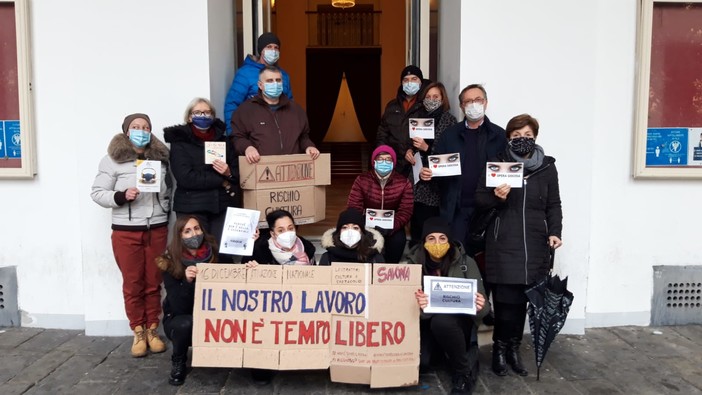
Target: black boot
x,y
178,370
463,383
514,358
499,364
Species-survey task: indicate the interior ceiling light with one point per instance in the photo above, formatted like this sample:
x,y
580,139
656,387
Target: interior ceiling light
x,y
343,3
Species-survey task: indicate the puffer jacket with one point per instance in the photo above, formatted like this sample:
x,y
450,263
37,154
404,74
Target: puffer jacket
x,y
462,266
117,173
281,132
340,253
199,187
516,242
397,194
245,86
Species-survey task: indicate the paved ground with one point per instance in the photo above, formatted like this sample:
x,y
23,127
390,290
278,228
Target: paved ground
x,y
629,360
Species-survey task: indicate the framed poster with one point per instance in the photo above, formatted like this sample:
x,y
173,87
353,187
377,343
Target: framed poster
x,y
668,126
17,143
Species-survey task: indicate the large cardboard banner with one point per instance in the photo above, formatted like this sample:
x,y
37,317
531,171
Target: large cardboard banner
x,y
360,320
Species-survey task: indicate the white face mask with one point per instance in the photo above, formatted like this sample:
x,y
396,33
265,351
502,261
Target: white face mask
x,y
474,111
271,56
350,237
287,239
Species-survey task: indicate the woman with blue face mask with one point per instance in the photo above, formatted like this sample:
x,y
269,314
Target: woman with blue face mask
x,y
382,188
204,188
139,224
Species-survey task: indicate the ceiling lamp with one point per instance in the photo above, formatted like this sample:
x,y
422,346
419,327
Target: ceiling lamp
x,y
343,3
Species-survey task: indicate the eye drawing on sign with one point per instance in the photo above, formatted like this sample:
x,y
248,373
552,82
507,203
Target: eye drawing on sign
x,y
445,158
505,167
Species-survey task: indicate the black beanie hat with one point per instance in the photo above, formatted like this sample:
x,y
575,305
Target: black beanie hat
x,y
265,39
129,118
436,225
350,216
414,70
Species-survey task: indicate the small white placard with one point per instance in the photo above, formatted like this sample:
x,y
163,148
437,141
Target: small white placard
x,y
417,166
381,218
498,173
421,127
239,228
445,165
450,295
215,150
148,176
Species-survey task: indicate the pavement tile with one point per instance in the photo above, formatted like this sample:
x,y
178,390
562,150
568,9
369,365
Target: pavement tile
x,y
41,368
47,340
13,362
67,375
13,337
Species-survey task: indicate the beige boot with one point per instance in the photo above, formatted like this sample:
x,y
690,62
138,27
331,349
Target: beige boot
x,y
139,345
156,345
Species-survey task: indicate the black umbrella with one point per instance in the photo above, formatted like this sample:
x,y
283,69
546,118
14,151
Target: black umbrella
x,y
549,302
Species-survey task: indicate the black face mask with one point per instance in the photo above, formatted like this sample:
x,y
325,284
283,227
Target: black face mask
x,y
522,146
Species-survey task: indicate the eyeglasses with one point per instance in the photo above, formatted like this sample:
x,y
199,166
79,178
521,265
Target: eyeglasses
x,y
386,160
201,113
479,100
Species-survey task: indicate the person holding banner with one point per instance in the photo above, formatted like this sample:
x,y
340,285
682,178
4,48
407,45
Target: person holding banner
x,y
441,256
382,188
205,188
282,245
139,223
527,225
351,241
426,193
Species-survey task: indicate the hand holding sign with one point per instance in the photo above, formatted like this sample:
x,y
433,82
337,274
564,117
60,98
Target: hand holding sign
x,y
498,173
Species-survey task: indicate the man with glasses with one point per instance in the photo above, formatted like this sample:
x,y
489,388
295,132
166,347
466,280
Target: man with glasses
x,y
476,139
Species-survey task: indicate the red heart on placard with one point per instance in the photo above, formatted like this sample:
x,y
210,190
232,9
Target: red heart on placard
x,y
371,218
493,174
435,166
413,128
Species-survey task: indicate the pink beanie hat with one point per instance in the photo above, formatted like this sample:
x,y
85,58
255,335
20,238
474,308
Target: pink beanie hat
x,y
385,148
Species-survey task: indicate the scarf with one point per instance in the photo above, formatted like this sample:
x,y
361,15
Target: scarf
x,y
207,135
203,254
296,256
534,161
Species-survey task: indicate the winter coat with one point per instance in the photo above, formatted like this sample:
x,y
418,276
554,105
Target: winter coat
x,y
117,173
491,141
180,293
199,188
338,252
245,86
462,266
427,192
516,250
397,195
394,126
262,253
281,132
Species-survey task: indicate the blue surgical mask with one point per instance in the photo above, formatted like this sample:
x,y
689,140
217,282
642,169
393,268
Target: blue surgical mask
x,y
272,89
382,168
411,88
140,138
202,122
271,56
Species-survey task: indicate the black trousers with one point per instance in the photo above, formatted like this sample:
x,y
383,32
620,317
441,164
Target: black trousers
x,y
451,334
509,320
395,246
420,214
179,330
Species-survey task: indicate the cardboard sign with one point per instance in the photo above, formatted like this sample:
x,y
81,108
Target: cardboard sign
x,y
237,234
285,171
306,204
421,127
148,176
450,295
359,320
498,173
382,218
445,165
215,150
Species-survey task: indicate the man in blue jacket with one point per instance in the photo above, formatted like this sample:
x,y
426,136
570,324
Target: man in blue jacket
x,y
245,84
477,140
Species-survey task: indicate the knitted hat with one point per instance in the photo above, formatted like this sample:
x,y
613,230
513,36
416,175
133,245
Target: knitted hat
x,y
129,118
436,225
387,149
411,70
265,39
350,216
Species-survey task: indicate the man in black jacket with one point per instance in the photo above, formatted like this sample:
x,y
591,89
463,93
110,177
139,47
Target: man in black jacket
x,y
477,140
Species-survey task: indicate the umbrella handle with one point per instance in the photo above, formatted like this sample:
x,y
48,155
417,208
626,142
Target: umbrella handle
x,y
552,257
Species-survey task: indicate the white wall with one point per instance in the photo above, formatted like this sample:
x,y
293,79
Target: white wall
x,y
97,62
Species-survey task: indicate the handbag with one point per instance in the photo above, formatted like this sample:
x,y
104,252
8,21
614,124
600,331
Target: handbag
x,y
479,224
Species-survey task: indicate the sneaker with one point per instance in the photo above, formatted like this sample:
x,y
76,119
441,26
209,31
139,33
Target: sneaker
x,y
139,344
156,345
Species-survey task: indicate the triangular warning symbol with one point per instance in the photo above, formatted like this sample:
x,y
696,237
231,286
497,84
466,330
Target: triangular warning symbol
x,y
437,287
267,175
